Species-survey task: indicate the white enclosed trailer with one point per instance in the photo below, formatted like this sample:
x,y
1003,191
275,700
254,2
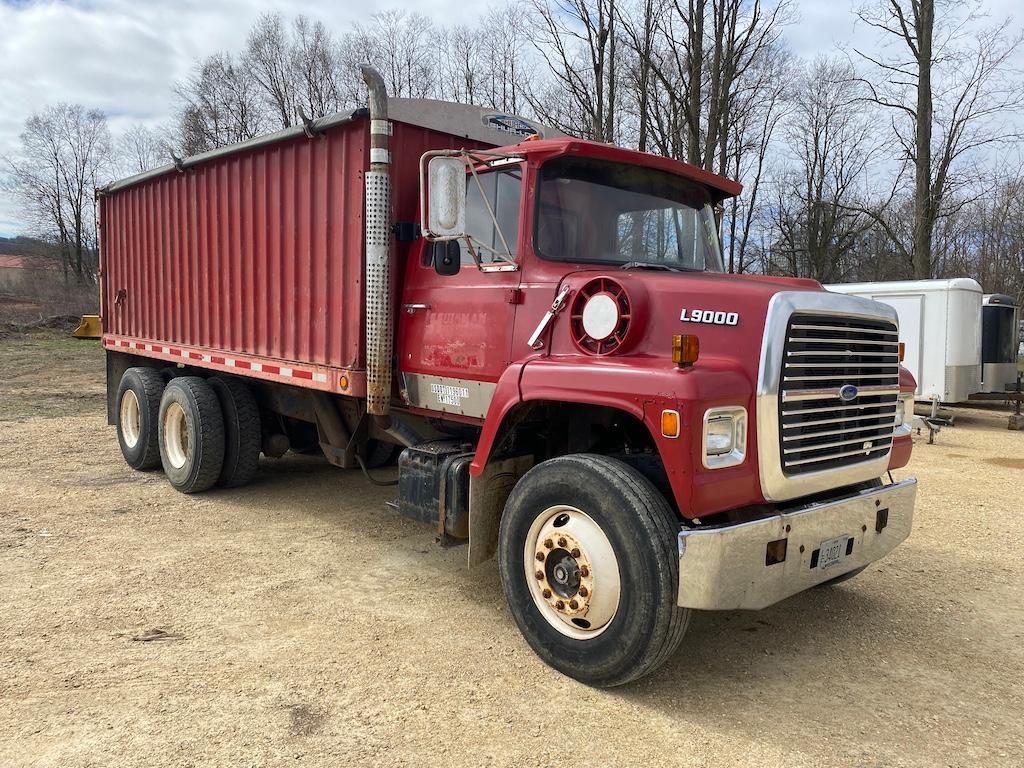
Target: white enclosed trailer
x,y
940,324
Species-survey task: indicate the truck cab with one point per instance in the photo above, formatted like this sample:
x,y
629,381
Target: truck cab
x,y
568,298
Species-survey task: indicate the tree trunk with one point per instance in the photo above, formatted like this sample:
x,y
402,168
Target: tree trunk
x,y
924,212
696,78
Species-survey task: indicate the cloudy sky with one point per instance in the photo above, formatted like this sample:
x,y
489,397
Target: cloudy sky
x,y
123,56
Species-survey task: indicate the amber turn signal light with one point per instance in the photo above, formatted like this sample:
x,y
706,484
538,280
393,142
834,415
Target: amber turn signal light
x,y
903,350
685,349
670,423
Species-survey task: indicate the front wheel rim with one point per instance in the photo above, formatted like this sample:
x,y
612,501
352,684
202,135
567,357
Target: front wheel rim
x,y
176,435
572,572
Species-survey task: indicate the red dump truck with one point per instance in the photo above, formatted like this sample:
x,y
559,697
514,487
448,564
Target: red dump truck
x,y
539,329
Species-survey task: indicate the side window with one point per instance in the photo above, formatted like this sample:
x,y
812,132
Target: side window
x,y
502,190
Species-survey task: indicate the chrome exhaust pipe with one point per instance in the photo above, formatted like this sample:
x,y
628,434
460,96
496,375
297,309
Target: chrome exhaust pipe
x,y
379,315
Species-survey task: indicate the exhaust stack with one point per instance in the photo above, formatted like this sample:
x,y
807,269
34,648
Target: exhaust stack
x,y
379,316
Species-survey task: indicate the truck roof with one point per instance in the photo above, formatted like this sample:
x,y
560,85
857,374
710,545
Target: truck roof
x,y
544,149
478,124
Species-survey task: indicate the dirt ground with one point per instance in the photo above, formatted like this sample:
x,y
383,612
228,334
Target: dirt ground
x,y
298,621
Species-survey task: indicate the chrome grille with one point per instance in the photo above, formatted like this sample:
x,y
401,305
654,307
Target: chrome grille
x,y
819,430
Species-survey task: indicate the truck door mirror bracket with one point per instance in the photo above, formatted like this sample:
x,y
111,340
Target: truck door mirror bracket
x,y
447,257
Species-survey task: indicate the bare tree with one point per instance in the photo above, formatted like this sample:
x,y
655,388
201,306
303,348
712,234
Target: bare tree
x,y
140,149
577,40
816,229
399,44
64,155
509,70
702,50
269,58
219,104
949,93
763,99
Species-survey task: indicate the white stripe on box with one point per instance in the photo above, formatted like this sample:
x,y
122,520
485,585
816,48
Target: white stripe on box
x,y
321,377
257,367
286,371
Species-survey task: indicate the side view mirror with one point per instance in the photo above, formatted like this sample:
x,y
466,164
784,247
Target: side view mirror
x,y
446,196
447,257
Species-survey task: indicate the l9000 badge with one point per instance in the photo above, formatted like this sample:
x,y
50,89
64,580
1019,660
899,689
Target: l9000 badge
x,y
711,316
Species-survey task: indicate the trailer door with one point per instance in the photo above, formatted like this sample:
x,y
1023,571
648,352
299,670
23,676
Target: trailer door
x,y
455,332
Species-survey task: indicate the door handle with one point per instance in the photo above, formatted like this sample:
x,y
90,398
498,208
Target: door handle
x,y
411,308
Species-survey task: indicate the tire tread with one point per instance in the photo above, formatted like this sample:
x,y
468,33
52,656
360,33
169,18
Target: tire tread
x,y
210,437
242,431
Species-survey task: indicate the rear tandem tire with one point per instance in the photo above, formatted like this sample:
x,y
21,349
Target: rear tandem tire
x,y
243,433
138,414
191,434
591,521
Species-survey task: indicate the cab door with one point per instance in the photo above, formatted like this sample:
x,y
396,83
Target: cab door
x,y
455,331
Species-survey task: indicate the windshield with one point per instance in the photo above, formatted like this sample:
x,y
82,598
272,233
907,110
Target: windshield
x,y
600,212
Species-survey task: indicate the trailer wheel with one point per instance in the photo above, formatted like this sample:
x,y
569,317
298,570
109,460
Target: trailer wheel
x,y
138,413
191,434
588,562
243,433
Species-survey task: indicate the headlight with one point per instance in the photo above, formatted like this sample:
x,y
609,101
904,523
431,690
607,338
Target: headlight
x,y
725,437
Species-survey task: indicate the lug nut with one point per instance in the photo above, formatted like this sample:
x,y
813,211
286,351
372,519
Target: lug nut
x,y
573,604
559,604
546,593
548,544
575,552
584,571
562,542
539,575
540,556
584,591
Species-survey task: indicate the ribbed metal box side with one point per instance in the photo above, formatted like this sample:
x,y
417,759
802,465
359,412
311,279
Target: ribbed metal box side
x,y
258,252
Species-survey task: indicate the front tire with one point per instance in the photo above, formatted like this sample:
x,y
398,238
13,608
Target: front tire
x,y
191,434
588,562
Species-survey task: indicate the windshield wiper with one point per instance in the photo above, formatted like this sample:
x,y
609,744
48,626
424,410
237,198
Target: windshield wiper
x,y
652,265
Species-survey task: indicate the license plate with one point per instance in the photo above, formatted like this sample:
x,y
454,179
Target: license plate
x,y
832,551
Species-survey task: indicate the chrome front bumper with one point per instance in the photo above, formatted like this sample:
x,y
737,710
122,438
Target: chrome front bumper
x,y
725,568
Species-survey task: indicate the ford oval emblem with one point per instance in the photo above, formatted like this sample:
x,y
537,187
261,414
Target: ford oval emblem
x,y
848,392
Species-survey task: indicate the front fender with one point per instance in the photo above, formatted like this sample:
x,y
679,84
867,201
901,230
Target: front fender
x,y
643,387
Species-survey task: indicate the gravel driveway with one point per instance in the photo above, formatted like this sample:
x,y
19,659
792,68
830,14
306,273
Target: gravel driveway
x,y
298,621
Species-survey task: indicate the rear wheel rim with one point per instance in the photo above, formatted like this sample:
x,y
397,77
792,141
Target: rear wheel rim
x,y
572,572
130,419
176,436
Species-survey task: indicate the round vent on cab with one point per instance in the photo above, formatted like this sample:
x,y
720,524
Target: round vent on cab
x,y
600,316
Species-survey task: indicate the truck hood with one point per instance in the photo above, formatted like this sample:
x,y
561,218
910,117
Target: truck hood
x,y
726,312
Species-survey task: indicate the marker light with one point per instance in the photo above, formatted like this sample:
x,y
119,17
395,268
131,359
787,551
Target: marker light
x,y
685,350
670,423
903,350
